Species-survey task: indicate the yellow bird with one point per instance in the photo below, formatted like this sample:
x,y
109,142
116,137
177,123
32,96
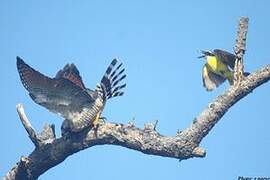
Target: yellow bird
x,y
218,68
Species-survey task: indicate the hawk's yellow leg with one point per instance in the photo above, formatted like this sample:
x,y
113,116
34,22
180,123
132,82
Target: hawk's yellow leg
x,y
97,119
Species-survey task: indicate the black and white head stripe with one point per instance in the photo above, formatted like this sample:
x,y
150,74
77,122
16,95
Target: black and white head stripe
x,y
112,77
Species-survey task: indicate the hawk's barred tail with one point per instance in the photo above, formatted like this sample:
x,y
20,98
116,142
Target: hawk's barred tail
x,y
112,77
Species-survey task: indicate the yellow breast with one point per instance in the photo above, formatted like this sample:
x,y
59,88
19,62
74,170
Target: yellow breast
x,y
216,65
219,67
212,62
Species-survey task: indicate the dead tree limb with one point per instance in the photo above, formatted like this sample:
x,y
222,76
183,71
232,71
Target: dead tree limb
x,y
240,48
51,151
27,126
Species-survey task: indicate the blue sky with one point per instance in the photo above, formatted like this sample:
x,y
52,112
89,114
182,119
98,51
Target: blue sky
x,y
158,42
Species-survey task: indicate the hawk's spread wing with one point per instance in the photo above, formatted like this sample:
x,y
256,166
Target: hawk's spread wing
x,y
65,94
71,73
210,79
226,57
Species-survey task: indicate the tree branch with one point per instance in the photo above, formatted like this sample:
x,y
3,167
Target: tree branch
x,y
50,151
240,48
27,125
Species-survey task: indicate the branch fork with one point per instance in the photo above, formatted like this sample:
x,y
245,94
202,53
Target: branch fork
x,y
48,133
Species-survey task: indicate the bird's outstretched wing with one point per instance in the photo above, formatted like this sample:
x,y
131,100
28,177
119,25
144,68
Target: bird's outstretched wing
x,y
226,57
210,79
71,73
65,94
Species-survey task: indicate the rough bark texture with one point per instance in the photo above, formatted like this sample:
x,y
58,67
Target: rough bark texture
x,y
240,49
51,151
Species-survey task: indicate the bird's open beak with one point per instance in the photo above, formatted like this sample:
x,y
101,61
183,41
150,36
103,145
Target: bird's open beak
x,y
203,56
205,53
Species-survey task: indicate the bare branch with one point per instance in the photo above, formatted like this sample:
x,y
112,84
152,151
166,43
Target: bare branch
x,y
27,125
19,171
240,48
48,133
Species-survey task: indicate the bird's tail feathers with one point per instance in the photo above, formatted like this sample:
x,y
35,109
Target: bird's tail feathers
x,y
111,79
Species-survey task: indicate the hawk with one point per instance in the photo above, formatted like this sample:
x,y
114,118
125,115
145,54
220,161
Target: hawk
x,y
218,68
67,96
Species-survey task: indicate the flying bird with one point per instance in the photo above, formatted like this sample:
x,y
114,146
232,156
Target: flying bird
x,y
67,96
218,68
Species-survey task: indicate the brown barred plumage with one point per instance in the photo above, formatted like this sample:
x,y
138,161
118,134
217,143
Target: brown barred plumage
x,y
66,94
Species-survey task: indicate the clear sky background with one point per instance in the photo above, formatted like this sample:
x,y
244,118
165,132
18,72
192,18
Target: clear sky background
x,y
158,42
